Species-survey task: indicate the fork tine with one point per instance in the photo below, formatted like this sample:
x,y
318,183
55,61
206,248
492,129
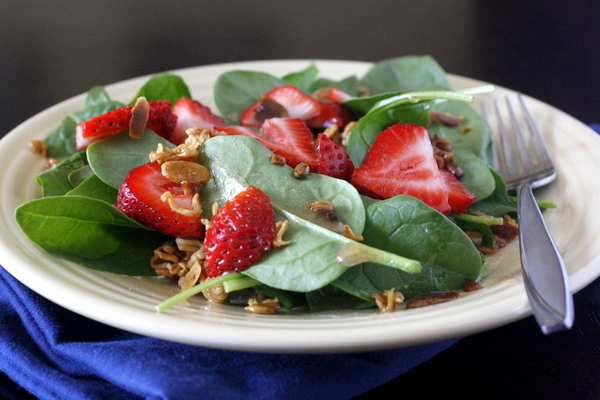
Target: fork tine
x,y
539,144
520,146
519,149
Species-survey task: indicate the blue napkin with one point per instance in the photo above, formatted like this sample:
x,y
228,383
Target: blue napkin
x,y
57,354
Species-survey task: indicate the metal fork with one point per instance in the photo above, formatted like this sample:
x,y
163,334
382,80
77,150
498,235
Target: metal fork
x,y
525,163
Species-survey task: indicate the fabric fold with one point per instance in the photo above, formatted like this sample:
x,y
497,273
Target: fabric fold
x,y
57,354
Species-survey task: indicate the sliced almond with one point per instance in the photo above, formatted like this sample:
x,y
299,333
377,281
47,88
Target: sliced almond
x,y
139,117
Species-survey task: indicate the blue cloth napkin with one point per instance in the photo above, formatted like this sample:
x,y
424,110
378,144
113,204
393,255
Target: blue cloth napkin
x,y
57,354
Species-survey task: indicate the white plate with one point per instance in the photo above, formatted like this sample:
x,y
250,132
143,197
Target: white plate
x,y
128,303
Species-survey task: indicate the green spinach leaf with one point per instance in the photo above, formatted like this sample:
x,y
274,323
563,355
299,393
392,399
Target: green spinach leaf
x,y
239,161
303,79
55,181
407,74
113,158
89,232
235,91
163,86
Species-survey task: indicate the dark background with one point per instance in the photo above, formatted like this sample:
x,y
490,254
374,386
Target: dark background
x,y
550,50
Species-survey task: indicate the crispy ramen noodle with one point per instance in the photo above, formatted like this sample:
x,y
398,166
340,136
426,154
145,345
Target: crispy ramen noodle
x,y
388,299
281,227
266,306
185,260
340,137
196,210
188,150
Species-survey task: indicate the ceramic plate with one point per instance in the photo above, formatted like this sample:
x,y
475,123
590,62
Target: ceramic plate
x,y
129,303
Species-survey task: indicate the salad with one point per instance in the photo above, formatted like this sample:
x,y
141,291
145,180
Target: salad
x,y
298,191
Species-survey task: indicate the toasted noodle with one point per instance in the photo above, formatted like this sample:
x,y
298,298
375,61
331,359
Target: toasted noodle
x,y
267,306
186,151
387,300
281,227
195,212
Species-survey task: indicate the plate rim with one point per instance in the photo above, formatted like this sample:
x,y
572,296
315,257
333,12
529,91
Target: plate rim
x,y
517,306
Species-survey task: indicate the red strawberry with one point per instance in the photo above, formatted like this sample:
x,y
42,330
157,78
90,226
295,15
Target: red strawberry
x,y
160,120
331,113
242,231
288,137
191,113
331,94
459,197
401,161
283,101
140,198
333,159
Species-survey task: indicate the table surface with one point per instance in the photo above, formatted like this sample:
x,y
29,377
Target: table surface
x,y
548,51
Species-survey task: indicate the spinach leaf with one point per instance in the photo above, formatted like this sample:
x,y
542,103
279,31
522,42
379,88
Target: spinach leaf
x,y
476,139
61,142
113,158
365,279
359,106
407,226
331,297
499,203
235,91
163,86
303,79
315,257
89,232
79,175
239,161
407,73
478,178
97,95
93,187
55,181
349,84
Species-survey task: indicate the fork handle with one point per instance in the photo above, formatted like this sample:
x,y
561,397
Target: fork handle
x,y
544,273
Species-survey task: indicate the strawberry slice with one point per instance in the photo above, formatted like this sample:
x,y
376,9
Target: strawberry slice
x,y
401,161
160,119
191,113
459,197
283,101
287,137
331,94
331,113
333,159
242,231
139,197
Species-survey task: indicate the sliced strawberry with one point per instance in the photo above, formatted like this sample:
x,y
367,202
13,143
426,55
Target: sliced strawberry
x,y
331,113
287,137
401,161
337,95
283,101
242,231
160,120
140,198
333,159
331,94
191,113
459,197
